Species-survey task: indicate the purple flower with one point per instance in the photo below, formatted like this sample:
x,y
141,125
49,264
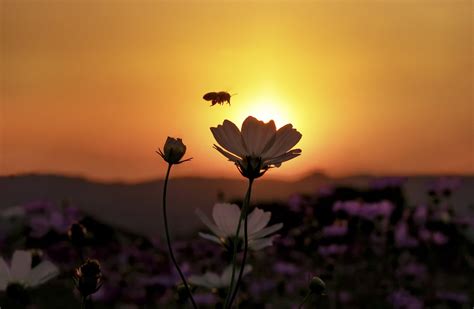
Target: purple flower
x,y
295,202
332,250
350,207
285,268
439,238
208,299
457,297
421,214
404,300
335,230
412,269
403,238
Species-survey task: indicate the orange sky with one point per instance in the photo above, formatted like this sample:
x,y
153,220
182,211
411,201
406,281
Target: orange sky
x,y
92,88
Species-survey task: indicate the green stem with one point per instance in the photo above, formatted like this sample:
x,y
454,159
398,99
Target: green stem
x,y
84,301
168,239
305,299
231,293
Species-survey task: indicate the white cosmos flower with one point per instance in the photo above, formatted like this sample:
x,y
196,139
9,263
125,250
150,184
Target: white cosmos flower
x,y
258,146
212,280
20,271
226,217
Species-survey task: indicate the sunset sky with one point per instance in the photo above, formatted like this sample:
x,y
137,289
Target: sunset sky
x,y
93,88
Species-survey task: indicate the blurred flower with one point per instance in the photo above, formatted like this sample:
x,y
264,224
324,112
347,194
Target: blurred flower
x,y
21,273
258,147
332,250
403,238
445,185
173,151
349,207
212,280
403,300
285,268
412,269
77,234
456,297
226,217
421,214
13,212
336,229
88,278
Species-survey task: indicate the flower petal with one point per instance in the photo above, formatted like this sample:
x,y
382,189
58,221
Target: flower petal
x,y
286,138
21,265
257,135
227,273
210,237
228,155
214,228
228,136
226,217
257,220
261,243
268,230
284,157
4,274
42,273
209,280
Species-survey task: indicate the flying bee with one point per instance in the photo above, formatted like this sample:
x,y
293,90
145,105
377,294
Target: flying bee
x,y
217,97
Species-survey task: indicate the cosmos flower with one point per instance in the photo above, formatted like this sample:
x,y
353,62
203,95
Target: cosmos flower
x,y
258,146
226,217
21,273
212,280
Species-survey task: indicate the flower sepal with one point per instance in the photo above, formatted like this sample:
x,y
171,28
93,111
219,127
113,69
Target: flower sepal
x,y
173,151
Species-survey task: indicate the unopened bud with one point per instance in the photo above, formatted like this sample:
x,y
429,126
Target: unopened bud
x,y
173,151
77,234
88,278
317,286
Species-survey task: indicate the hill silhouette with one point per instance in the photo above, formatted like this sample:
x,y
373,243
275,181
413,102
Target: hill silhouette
x,y
137,207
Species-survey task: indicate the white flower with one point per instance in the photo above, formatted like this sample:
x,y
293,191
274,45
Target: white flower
x,y
226,217
258,147
212,280
13,212
20,271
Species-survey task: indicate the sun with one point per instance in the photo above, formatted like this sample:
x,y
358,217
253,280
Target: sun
x,y
267,108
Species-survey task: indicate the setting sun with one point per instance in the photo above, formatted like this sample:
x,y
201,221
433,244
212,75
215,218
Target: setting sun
x,y
266,107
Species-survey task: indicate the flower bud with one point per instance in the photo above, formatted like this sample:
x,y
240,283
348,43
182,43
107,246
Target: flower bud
x,y
88,278
173,151
77,234
317,286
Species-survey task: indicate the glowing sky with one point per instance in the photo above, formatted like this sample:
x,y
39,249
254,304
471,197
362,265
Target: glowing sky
x,y
93,88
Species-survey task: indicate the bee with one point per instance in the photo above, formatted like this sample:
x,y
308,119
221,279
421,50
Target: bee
x,y
217,97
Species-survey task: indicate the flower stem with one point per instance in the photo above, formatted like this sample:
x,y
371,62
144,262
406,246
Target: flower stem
x,y
232,292
305,299
168,239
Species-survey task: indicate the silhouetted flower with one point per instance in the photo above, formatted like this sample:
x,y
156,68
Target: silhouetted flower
x,y
258,147
173,151
77,234
334,230
21,273
212,280
317,286
226,217
88,277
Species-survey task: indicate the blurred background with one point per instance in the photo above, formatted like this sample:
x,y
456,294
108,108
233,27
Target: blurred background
x,y
380,90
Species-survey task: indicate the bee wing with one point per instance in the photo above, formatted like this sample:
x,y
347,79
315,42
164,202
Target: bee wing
x,y
210,96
